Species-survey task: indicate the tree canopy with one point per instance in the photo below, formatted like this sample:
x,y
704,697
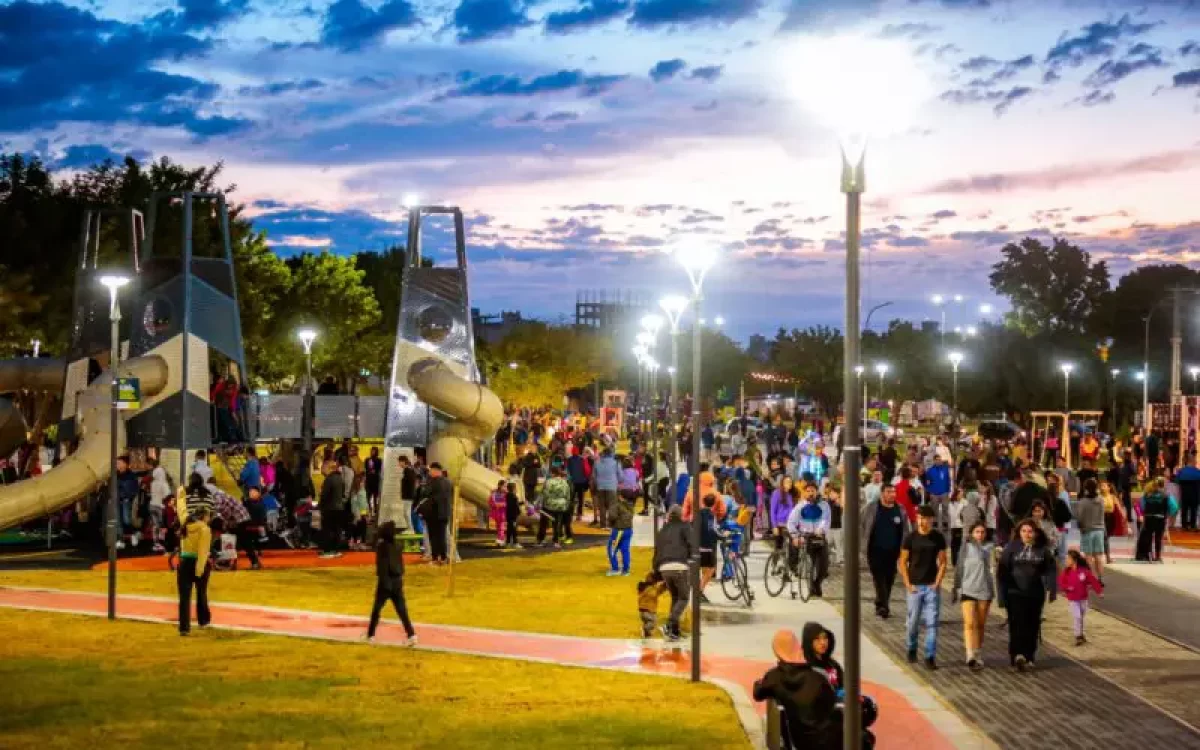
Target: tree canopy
x,y
1056,288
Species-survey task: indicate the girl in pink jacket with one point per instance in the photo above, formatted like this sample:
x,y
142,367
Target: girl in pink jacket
x,y
497,501
1073,583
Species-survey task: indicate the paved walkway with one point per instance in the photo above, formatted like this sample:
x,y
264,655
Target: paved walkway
x,y
901,726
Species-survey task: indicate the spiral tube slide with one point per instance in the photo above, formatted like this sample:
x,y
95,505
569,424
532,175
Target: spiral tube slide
x,y
89,466
477,413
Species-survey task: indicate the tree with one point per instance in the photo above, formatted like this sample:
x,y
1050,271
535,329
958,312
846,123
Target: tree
x,y
1055,288
814,356
550,359
23,310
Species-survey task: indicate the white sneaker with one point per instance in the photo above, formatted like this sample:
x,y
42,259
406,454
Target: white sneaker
x,y
136,539
411,641
368,639
613,573
120,544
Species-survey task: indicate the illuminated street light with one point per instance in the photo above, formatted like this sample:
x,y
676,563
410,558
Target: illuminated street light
x,y
411,201
985,309
114,282
1067,368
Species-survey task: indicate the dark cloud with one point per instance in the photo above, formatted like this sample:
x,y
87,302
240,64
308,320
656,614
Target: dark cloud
x,y
1000,99
654,14
563,80
350,25
83,156
590,13
664,70
707,106
294,228
1097,98
281,87
63,64
708,73
908,30
1140,56
1186,78
593,207
982,62
817,14
562,117
1190,48
1002,72
477,20
198,15
945,213
1054,178
1094,40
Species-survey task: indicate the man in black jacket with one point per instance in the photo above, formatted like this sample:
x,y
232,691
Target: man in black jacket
x,y
439,510
672,553
333,493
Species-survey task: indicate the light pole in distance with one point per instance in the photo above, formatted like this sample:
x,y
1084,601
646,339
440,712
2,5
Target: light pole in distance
x,y
882,369
956,359
1067,368
673,305
307,336
1194,371
1114,372
113,282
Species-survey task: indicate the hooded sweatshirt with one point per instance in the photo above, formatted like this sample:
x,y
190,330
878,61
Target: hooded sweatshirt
x,y
160,487
807,700
708,486
781,507
826,665
973,574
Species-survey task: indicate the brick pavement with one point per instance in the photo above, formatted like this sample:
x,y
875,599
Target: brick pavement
x,y
1163,610
1062,704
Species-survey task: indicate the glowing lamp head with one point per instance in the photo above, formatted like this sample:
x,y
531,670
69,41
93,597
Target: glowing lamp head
x,y
955,358
645,339
1195,371
881,368
307,336
1115,371
937,299
513,365
958,298
114,281
1140,375
411,200
985,309
719,320
859,370
1067,368
972,331
652,323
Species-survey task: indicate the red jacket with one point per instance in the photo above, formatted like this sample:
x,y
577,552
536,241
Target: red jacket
x,y
1074,584
904,498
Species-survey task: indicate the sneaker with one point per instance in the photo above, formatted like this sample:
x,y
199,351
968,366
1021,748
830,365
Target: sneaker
x,y
1030,666
256,566
136,539
973,664
557,546
613,573
368,639
1020,663
120,546
930,663
912,656
568,541
517,546
411,640
666,631
1080,640
624,573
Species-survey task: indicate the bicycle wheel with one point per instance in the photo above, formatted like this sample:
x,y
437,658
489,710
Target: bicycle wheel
x,y
804,576
732,584
743,574
775,573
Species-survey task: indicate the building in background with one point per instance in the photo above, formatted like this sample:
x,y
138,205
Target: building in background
x,y
492,328
608,310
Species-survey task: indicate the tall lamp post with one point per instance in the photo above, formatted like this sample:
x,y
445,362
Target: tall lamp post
x,y
307,336
881,368
673,305
1066,368
113,282
956,359
1194,371
652,324
858,372
1114,372
696,262
856,99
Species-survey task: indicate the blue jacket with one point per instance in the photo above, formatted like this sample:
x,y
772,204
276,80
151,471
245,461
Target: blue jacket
x,y
937,479
748,486
577,470
127,485
682,482
607,473
251,475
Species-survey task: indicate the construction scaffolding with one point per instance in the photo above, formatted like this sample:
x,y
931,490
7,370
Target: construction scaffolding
x,y
605,309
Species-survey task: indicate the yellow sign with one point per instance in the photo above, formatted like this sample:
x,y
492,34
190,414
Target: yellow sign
x,y
129,393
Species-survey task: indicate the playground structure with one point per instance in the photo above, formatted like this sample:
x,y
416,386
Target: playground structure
x,y
1063,420
182,325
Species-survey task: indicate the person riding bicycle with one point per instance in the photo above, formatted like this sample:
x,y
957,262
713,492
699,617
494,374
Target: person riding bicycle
x,y
809,522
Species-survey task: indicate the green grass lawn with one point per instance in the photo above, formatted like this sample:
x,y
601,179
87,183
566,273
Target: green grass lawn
x,y
565,593
79,682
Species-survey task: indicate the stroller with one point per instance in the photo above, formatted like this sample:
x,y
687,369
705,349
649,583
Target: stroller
x,y
225,556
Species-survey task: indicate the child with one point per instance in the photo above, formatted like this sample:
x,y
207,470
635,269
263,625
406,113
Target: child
x,y
171,531
304,520
498,511
649,590
359,508
833,496
512,514
271,505
1074,582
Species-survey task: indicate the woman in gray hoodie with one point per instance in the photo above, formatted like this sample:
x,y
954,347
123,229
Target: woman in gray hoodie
x,y
976,585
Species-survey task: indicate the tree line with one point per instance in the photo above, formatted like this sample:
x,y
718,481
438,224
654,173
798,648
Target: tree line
x,y
1063,307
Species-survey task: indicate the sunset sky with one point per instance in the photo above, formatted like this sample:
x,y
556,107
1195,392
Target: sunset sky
x,y
582,139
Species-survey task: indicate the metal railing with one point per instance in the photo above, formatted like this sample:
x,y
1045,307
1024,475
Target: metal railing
x,y
281,416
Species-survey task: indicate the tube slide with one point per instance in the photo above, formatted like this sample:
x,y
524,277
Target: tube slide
x,y
478,414
24,374
89,466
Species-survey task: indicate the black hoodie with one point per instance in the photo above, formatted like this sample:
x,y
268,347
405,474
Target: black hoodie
x,y
808,703
826,666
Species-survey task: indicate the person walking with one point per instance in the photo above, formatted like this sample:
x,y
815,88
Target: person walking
x,y
973,581
1155,509
389,582
673,552
195,545
373,479
1025,576
578,471
1089,514
555,502
923,566
620,516
938,488
884,528
1074,582
439,511
606,478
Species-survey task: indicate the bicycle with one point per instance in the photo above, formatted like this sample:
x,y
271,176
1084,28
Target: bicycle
x,y
735,576
779,574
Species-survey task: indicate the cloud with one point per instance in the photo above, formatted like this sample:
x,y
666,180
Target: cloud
x,y
1097,98
1095,40
655,14
590,13
198,15
982,62
82,156
708,73
293,227
945,213
1002,71
1189,48
1139,57
1054,178
281,87
350,25
817,14
477,20
1000,99
908,30
563,80
63,64
1186,78
664,70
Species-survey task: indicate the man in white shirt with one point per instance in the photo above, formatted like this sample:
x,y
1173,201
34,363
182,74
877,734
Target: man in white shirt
x,y
202,468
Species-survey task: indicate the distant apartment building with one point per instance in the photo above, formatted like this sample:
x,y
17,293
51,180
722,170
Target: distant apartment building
x,y
608,310
492,328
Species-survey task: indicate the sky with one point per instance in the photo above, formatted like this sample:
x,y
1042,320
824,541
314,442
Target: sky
x,y
586,139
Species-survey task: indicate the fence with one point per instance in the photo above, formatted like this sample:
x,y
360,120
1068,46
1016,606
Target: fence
x,y
281,416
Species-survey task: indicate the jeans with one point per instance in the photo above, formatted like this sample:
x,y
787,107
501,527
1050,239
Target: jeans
x,y
186,578
390,589
924,603
125,512
679,589
618,542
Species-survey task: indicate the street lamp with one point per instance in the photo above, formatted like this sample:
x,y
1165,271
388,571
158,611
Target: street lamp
x,y
697,262
956,359
972,332
857,98
881,368
1114,372
718,321
307,336
940,302
1194,371
1066,368
673,305
985,309
37,347
513,365
113,282
411,201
